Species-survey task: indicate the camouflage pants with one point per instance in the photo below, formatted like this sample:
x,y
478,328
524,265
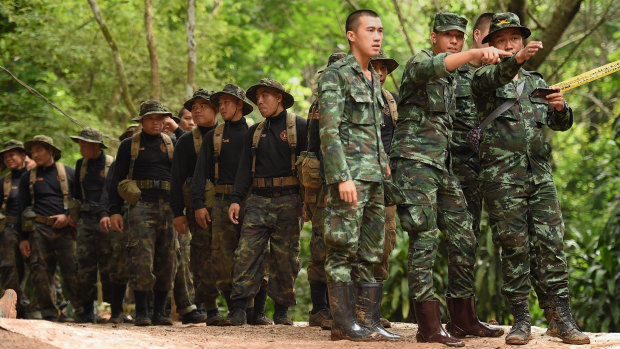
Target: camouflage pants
x,y
316,265
11,262
224,243
528,217
270,231
51,247
467,171
94,253
382,270
150,245
183,280
354,236
435,203
119,264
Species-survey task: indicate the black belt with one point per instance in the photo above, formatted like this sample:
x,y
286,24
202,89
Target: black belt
x,y
90,208
11,219
275,192
153,184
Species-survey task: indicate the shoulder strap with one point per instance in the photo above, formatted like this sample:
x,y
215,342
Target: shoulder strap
x,y
218,135
391,104
64,184
197,139
82,176
33,180
169,146
6,190
313,114
255,140
291,136
135,150
503,107
108,162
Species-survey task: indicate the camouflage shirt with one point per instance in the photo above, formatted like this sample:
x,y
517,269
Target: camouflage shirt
x,y
425,111
350,119
465,117
513,146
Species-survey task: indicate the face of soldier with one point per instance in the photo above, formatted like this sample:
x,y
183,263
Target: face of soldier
x,y
508,40
14,159
269,102
204,113
231,107
381,69
448,41
368,36
42,155
187,122
89,150
153,124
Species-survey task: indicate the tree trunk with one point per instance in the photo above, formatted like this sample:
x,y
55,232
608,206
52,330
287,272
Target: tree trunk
x,y
518,7
191,48
561,18
150,43
118,61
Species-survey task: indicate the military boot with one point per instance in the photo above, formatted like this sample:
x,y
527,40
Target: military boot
x,y
567,329
552,329
142,309
160,317
8,304
88,313
369,309
344,325
236,314
521,330
464,321
429,325
318,295
259,318
193,317
280,315
116,306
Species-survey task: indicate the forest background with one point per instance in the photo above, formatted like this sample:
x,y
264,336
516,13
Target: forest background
x,y
98,61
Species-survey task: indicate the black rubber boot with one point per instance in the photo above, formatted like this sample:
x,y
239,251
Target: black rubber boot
x,y
236,314
344,325
88,314
160,317
521,330
369,309
142,309
567,329
280,315
116,306
259,318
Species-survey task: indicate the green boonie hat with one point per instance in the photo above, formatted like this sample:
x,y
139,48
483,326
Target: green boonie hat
x,y
46,140
335,57
11,145
131,129
235,91
505,20
287,98
201,93
449,21
390,62
89,134
152,107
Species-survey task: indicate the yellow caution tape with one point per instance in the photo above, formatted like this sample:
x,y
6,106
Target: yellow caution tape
x,y
588,76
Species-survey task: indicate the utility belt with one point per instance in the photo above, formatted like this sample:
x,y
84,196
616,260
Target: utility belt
x,y
4,220
274,182
145,184
90,208
39,218
11,219
224,189
274,192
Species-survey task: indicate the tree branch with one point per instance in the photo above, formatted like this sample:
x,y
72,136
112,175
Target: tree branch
x,y
402,26
150,43
190,86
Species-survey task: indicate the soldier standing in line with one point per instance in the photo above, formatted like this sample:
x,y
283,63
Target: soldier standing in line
x,y
433,199
517,182
94,248
273,212
143,165
13,155
185,119
47,232
198,257
355,166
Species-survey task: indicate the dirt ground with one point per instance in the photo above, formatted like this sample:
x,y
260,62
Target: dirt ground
x,y
36,334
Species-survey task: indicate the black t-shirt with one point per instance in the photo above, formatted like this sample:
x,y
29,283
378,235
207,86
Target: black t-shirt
x,y
93,181
12,204
387,130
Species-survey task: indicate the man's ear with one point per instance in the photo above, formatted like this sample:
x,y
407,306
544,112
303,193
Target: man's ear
x,y
477,35
434,37
351,36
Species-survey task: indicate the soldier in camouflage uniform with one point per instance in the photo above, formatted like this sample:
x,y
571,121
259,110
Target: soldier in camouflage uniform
x,y
145,161
13,155
433,200
517,183
47,232
355,166
94,248
273,211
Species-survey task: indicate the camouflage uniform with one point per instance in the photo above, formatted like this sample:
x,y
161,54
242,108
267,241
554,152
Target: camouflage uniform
x,y
420,160
350,127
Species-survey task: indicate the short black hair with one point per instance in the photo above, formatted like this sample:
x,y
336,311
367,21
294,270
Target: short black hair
x,y
484,18
353,19
180,114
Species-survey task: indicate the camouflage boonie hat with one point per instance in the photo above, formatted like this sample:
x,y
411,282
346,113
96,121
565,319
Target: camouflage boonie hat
x,y
389,62
201,93
505,20
91,135
152,107
287,98
335,57
45,140
131,129
11,145
449,21
235,91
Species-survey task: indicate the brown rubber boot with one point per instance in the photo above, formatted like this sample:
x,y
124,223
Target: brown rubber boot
x,y
567,329
369,309
464,321
552,329
344,324
429,325
317,318
521,330
7,305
